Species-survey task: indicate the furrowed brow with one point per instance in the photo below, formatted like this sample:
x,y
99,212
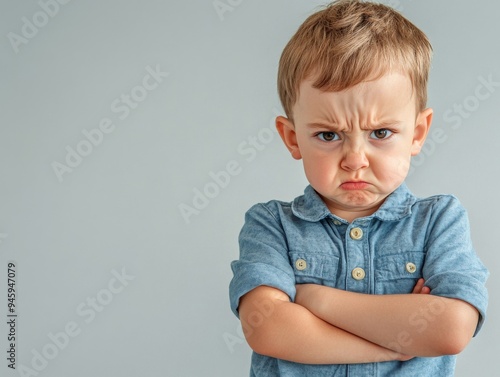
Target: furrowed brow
x,y
323,126
381,125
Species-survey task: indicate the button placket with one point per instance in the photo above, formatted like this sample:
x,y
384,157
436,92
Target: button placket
x,y
357,259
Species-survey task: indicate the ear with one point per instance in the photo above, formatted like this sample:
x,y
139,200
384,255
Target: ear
x,y
422,126
286,129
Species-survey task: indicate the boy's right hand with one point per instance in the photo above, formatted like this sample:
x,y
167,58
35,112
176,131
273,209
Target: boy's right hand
x,y
420,287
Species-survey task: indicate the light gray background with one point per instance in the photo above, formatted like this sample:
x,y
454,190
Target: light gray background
x,y
119,209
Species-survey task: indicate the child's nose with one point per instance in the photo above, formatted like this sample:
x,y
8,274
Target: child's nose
x,y
354,159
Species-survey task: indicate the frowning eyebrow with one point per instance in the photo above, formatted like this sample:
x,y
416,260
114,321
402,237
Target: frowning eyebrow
x,y
327,126
381,125
337,128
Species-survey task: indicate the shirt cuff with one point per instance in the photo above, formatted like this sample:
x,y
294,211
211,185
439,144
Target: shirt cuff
x,y
248,276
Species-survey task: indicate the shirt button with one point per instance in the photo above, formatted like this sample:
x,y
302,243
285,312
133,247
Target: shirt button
x,y
411,268
358,273
300,264
356,233
336,222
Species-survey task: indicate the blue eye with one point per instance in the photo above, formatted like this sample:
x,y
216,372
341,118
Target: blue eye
x,y
381,134
328,136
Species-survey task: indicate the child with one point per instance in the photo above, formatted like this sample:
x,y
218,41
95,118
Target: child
x,y
357,277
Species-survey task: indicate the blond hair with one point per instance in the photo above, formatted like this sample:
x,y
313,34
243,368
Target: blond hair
x,y
351,41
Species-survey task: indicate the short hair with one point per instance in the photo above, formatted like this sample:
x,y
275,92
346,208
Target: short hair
x,y
351,41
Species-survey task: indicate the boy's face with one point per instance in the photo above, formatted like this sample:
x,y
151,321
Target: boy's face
x,y
356,144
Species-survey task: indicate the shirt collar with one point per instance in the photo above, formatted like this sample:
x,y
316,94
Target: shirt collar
x,y
310,206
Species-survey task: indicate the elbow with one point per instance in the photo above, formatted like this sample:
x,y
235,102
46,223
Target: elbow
x,y
259,333
258,340
253,339
453,345
458,331
265,337
259,321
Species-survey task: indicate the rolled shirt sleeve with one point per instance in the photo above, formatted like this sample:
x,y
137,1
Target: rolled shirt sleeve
x,y
263,257
452,269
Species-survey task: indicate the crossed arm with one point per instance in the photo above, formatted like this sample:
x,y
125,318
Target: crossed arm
x,y
331,326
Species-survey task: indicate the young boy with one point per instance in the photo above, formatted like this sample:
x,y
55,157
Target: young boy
x,y
357,277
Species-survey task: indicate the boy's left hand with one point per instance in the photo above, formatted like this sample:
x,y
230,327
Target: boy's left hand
x,y
420,287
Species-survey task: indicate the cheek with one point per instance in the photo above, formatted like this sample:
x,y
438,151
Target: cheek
x,y
394,168
320,168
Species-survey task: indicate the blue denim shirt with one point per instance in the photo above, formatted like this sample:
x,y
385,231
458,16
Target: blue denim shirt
x,y
283,244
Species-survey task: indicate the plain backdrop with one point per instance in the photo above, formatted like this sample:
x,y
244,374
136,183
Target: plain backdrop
x,y
118,121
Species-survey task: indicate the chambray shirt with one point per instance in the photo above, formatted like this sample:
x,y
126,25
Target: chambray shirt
x,y
283,244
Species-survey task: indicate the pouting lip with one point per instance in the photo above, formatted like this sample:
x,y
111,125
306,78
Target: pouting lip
x,y
354,185
353,181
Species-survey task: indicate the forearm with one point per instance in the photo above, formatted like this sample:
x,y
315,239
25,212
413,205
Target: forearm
x,y
418,325
288,331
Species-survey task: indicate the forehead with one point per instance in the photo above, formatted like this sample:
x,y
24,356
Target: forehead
x,y
389,95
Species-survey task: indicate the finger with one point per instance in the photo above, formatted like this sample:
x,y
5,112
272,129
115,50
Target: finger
x,y
418,287
406,357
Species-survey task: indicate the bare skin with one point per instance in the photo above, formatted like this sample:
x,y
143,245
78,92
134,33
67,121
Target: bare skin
x,y
418,324
314,341
290,331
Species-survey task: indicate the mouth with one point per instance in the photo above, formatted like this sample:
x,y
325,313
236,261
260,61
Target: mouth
x,y
354,185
